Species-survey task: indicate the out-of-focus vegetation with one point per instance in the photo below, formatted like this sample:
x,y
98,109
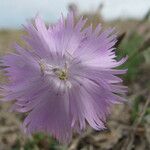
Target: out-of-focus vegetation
x,y
129,124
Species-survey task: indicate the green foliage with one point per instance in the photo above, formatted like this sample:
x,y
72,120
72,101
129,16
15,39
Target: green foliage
x,y
16,146
130,47
29,145
148,111
135,108
147,56
41,141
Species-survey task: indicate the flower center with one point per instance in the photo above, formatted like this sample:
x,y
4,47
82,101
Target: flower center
x,y
61,73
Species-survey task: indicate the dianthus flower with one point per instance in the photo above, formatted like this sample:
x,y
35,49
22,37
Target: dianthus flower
x,y
64,78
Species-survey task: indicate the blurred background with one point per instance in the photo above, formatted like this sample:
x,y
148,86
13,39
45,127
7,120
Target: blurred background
x,y
129,124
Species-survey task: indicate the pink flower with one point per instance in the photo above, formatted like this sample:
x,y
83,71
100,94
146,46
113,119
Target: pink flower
x,y
65,78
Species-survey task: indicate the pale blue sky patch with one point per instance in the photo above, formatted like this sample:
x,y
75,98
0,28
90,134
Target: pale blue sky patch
x,y
13,13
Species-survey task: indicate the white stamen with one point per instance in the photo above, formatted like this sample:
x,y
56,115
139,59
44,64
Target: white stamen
x,y
59,75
